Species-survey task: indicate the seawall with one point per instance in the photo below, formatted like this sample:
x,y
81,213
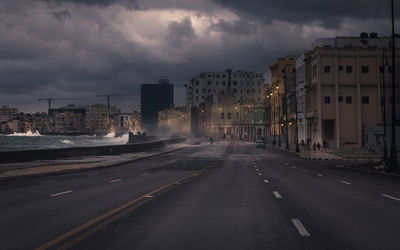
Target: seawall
x,y
51,154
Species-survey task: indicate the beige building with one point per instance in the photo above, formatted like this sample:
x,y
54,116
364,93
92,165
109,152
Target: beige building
x,y
7,113
97,119
342,89
68,120
279,93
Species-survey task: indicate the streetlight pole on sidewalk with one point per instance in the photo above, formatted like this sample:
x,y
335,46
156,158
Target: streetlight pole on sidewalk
x,y
393,150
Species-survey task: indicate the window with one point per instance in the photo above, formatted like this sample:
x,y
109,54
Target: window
x,y
209,90
349,69
364,69
222,116
340,68
327,69
340,98
365,99
327,99
229,116
348,99
223,83
314,71
381,69
209,83
216,83
234,83
204,91
237,115
197,91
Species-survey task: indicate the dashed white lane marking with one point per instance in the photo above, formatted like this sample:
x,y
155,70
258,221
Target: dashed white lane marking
x,y
115,180
294,167
300,228
259,174
46,182
320,175
266,181
149,196
277,195
145,174
304,171
280,160
93,174
391,197
346,182
61,193
257,169
286,163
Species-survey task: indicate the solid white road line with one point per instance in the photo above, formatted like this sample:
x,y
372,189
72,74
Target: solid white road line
x,y
277,195
390,197
266,181
320,175
115,180
259,174
300,228
61,193
346,182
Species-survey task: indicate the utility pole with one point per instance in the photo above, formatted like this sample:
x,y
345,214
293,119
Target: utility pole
x,y
384,64
393,151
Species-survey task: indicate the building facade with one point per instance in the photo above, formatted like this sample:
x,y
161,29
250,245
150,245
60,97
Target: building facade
x,y
97,119
344,91
68,120
154,98
244,86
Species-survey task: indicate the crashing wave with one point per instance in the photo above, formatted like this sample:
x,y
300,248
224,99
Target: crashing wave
x,y
67,142
28,133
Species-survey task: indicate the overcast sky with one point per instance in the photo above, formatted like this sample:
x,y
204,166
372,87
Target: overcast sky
x,y
81,48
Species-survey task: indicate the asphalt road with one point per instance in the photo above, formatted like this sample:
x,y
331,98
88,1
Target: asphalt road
x,y
204,197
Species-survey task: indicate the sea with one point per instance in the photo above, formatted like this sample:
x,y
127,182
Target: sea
x,y
34,140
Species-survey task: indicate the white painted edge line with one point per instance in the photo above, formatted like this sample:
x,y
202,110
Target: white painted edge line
x,y
259,174
266,181
320,175
61,193
345,182
115,180
300,228
390,197
277,195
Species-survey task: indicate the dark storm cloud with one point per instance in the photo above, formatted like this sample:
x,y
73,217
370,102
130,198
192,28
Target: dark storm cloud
x,y
61,15
330,13
180,33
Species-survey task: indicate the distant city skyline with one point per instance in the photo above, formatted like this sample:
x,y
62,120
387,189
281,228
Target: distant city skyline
x,y
77,48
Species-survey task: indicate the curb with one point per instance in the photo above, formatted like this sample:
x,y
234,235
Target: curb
x,y
69,171
369,172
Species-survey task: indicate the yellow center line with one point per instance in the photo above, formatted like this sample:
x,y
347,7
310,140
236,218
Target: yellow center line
x,y
140,201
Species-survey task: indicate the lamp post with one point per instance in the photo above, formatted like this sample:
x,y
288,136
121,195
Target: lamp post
x,y
279,114
393,153
384,64
273,127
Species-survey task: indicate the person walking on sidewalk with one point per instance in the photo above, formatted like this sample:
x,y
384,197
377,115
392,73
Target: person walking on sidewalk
x,y
314,146
319,146
325,144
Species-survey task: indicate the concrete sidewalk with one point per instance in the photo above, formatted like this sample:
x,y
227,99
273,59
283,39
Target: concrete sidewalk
x,y
47,167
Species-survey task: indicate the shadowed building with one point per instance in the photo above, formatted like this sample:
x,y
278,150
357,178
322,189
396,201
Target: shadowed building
x,y
154,98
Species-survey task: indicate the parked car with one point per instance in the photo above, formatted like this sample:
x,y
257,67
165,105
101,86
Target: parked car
x,y
260,144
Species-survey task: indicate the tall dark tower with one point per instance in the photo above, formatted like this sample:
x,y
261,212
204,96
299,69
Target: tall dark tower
x,y
154,98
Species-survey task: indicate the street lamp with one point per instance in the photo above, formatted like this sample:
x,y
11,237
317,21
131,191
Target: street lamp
x,y
279,114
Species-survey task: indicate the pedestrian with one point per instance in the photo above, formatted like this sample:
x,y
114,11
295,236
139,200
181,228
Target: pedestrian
x,y
325,144
319,146
211,140
302,143
314,146
273,143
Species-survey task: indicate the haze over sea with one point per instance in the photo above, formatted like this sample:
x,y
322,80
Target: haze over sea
x,y
32,141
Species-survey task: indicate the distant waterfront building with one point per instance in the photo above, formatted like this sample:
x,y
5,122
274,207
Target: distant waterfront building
x,y
7,113
174,121
68,120
154,98
244,86
97,119
127,122
342,80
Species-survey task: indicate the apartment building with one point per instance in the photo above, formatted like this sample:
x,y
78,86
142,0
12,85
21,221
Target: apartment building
x,y
244,86
340,87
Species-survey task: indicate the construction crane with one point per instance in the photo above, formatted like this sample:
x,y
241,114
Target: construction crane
x,y
108,98
49,100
